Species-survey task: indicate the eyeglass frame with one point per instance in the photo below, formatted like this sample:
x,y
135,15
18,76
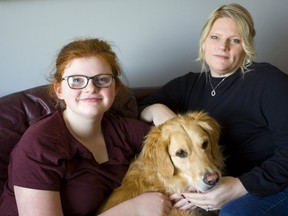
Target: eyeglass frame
x,y
88,78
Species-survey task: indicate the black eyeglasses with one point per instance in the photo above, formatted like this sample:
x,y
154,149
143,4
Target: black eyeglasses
x,y
81,81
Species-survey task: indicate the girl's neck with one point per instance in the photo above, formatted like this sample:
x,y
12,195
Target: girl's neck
x,y
88,132
82,128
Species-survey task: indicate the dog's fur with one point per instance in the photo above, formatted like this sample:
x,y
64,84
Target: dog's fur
x,y
181,153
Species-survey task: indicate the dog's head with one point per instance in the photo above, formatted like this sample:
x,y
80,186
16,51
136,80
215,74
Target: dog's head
x,y
185,152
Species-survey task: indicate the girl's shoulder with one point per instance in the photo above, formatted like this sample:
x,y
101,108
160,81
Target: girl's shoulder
x,y
112,119
48,134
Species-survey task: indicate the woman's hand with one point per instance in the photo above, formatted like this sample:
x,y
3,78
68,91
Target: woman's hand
x,y
230,188
156,113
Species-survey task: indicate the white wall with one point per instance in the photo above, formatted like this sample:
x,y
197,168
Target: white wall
x,y
156,40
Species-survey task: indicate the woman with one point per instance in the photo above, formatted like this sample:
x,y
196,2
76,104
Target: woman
x,y
68,162
249,100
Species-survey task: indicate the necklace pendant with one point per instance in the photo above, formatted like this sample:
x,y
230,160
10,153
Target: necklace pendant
x,y
213,93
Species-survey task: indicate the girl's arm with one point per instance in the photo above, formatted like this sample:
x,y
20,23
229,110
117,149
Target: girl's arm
x,y
32,202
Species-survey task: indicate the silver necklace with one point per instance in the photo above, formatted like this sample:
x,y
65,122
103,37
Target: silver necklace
x,y
213,92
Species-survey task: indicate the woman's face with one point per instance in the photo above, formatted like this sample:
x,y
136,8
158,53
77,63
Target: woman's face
x,y
223,49
90,101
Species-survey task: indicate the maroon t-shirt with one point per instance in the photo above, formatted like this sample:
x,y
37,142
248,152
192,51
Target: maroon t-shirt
x,y
48,157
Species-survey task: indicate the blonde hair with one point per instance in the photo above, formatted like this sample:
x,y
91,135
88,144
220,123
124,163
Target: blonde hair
x,y
245,25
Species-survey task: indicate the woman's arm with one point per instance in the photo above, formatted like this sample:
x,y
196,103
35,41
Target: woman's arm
x,y
156,113
32,202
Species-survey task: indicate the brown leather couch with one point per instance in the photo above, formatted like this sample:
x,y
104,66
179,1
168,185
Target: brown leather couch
x,y
18,110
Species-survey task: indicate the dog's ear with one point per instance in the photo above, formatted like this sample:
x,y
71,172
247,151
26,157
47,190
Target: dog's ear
x,y
155,152
212,127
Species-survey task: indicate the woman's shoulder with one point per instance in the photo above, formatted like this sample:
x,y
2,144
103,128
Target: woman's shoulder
x,y
192,76
266,72
266,69
267,75
185,80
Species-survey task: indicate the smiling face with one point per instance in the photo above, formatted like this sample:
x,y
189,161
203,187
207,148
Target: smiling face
x,y
90,101
223,51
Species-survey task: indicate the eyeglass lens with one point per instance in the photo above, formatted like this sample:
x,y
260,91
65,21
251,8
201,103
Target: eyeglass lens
x,y
100,81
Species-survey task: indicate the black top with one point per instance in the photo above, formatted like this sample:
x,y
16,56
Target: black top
x,y
252,110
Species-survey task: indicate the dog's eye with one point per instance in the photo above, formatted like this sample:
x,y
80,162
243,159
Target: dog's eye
x,y
205,144
181,153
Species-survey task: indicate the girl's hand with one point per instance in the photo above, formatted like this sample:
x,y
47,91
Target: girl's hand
x,y
146,204
152,204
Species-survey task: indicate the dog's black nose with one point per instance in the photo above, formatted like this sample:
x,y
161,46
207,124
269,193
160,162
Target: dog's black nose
x,y
211,178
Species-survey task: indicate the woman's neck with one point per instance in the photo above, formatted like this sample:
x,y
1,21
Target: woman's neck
x,y
221,75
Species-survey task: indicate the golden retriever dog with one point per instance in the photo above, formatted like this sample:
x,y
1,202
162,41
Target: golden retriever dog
x,y
179,154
